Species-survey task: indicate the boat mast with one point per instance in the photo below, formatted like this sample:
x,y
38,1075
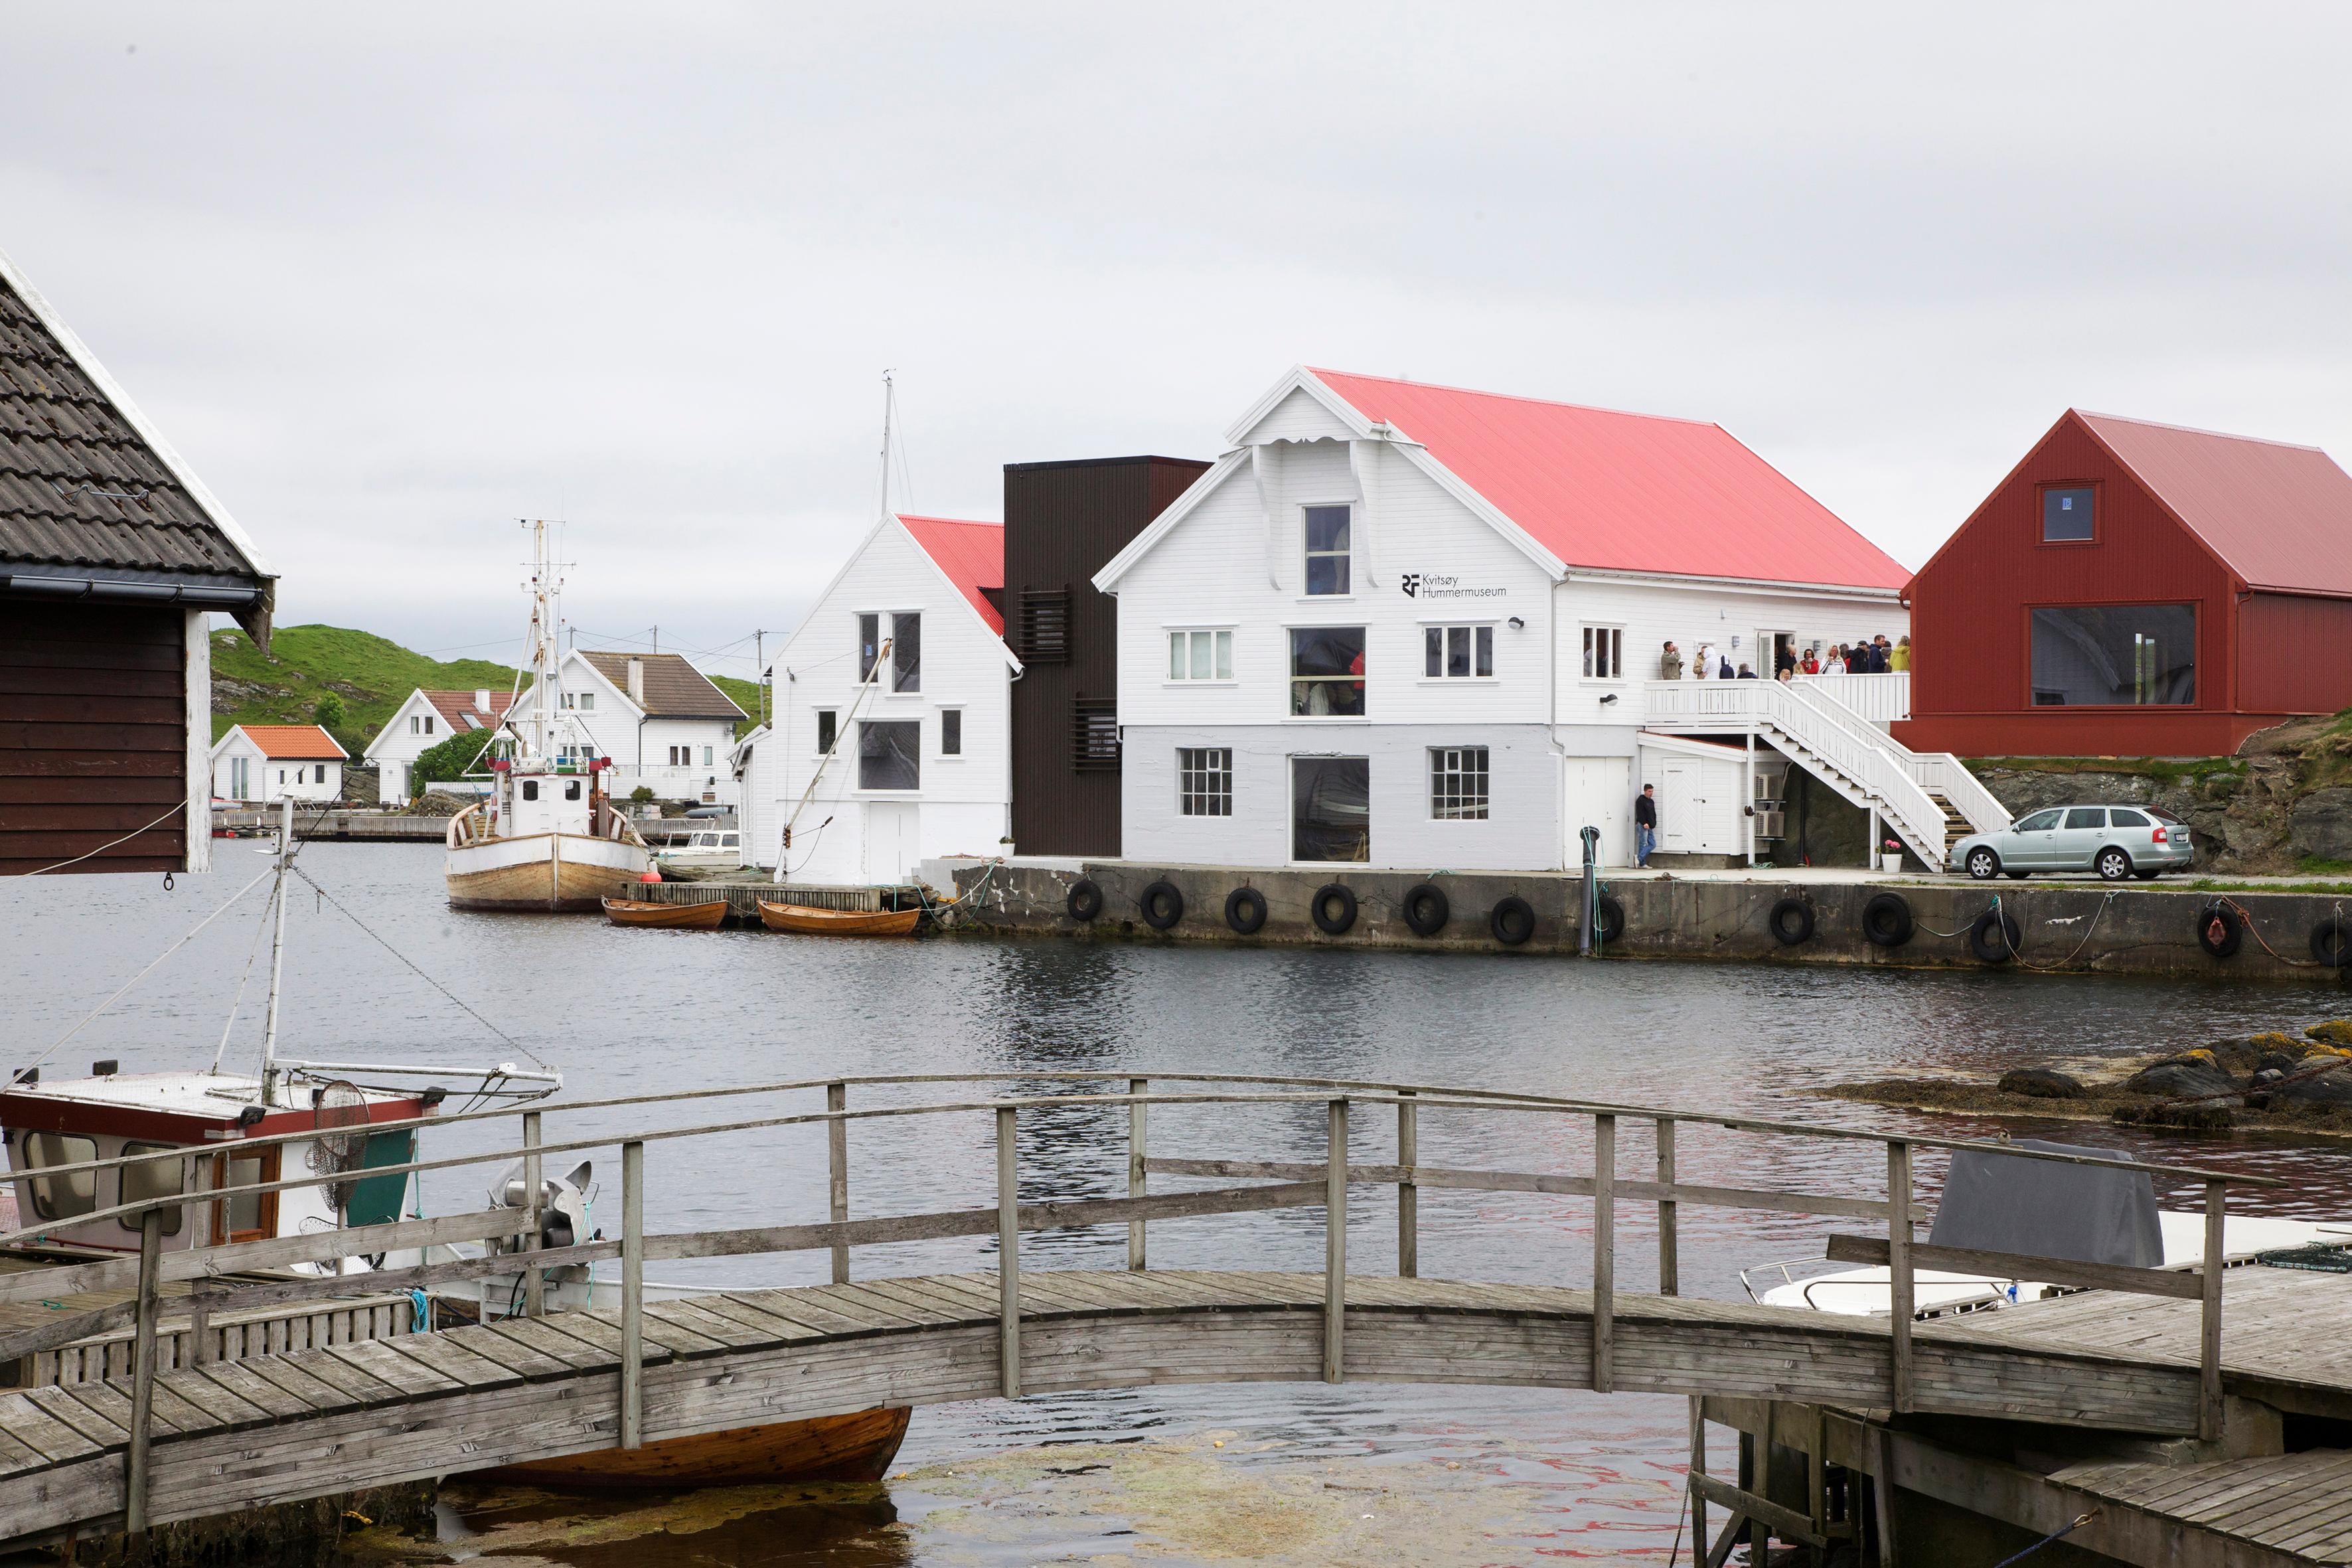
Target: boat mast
x,y
890,406
545,699
276,953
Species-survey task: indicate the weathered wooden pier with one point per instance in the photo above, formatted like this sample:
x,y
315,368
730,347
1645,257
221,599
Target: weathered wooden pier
x,y
2196,1445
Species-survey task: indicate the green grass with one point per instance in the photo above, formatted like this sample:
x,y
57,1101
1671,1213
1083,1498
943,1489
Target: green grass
x,y
2167,770
2235,885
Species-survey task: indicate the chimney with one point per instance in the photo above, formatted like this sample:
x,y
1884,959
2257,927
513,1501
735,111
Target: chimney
x,y
638,681
482,701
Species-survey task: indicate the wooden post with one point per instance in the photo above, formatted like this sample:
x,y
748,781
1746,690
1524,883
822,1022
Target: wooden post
x,y
1697,1468
1882,1483
836,1159
143,1372
534,1281
1899,1268
1008,1251
1408,1190
1817,1488
1670,1275
1335,1245
1604,1253
632,1295
2208,1321
200,1318
1135,1178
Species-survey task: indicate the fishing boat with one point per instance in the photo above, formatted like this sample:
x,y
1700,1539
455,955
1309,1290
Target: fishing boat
x,y
809,920
549,835
708,915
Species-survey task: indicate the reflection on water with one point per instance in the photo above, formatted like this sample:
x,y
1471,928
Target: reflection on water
x,y
632,1012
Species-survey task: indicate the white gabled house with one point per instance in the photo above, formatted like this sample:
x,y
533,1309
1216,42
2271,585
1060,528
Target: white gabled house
x,y
890,743
1413,625
665,724
426,719
258,764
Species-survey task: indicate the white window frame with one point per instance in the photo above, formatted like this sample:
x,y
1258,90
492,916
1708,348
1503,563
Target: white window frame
x,y
1305,594
1214,633
943,753
1290,677
1207,774
1474,627
1592,633
857,640
1452,763
587,702
816,730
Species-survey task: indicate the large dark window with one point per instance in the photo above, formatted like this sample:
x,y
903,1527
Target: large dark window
x,y
2066,515
2105,656
1330,808
907,653
1317,655
1326,549
888,753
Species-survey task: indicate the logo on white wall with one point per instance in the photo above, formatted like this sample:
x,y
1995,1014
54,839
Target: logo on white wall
x,y
1431,586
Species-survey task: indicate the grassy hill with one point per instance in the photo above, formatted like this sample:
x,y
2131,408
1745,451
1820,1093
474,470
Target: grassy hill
x,y
371,674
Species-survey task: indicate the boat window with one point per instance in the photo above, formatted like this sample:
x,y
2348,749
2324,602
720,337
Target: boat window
x,y
531,789
244,1217
571,789
160,1179
61,1197
730,841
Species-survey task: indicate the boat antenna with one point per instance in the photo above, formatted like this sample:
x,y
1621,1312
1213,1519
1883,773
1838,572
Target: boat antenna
x,y
889,407
276,953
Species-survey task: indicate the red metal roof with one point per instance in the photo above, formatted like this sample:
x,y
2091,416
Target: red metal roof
x,y
971,553
1626,492
290,741
2279,516
458,710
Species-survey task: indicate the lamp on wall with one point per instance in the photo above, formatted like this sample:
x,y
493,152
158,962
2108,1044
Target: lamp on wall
x,y
1518,624
1607,697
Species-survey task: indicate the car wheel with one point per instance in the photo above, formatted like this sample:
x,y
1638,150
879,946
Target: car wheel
x,y
1983,863
2113,864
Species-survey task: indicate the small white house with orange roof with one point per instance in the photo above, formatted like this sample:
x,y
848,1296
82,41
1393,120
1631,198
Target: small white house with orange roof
x,y
890,740
427,718
258,764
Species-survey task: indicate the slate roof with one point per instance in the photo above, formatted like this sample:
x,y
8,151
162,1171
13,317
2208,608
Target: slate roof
x,y
2279,516
288,743
673,690
971,553
85,492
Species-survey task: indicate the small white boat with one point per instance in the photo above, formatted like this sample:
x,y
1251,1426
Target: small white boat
x,y
721,847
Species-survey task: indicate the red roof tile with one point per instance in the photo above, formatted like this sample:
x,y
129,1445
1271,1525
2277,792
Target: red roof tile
x,y
456,708
293,741
1626,492
971,553
2278,516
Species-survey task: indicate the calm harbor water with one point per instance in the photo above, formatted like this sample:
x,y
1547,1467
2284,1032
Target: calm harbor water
x,y
1309,1474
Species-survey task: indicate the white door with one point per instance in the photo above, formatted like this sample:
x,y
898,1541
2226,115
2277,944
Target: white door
x,y
890,852
1682,806
1599,791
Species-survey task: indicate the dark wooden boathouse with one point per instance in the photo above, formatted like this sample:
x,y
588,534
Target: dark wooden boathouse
x,y
111,555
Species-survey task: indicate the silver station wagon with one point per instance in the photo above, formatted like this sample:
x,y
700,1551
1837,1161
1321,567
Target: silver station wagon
x,y
2114,841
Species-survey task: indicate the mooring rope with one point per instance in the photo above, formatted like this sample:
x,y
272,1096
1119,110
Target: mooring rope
x,y
2000,924
2079,1521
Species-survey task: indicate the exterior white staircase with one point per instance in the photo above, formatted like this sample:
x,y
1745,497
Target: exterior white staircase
x,y
1927,799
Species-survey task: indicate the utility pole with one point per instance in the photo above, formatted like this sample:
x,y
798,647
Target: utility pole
x,y
760,663
658,640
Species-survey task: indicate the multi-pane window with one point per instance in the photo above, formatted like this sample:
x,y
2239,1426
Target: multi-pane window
x,y
1326,549
2067,514
1457,784
1604,653
869,644
1205,781
828,722
1458,653
1200,655
907,653
952,731
1326,671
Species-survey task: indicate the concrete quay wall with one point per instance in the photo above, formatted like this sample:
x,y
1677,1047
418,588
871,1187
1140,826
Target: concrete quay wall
x,y
2081,927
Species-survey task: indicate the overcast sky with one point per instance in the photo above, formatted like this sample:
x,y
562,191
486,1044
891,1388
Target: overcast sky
x,y
394,275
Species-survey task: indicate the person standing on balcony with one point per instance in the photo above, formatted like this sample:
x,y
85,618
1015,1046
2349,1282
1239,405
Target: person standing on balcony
x,y
1645,823
1706,664
1723,668
1670,663
1835,663
1900,659
1812,661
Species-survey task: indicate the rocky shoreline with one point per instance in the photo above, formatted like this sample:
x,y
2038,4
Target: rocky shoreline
x,y
2267,1083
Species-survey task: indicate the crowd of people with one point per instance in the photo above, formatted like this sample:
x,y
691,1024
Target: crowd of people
x,y
1865,655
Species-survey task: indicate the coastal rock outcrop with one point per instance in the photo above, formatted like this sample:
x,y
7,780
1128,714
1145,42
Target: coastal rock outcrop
x,y
2190,1075
2041,1083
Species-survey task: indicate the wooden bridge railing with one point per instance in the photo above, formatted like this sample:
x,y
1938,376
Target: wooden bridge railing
x,y
1284,1184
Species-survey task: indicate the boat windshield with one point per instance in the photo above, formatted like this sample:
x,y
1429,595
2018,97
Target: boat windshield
x,y
61,1197
156,1179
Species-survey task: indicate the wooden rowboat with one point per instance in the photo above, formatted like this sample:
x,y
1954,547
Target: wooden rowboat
x,y
705,916
811,922
854,1448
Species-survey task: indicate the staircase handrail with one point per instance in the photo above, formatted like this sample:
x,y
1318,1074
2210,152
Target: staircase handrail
x,y
1813,722
1938,772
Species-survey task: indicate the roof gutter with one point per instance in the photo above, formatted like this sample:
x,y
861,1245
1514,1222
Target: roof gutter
x,y
251,604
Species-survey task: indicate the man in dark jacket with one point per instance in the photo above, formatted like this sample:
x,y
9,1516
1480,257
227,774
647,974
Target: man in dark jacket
x,y
1645,823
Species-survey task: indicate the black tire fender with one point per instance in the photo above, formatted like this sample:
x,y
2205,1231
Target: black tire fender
x,y
1792,921
2219,929
1245,910
1886,921
1513,920
1611,926
1162,903
2331,943
1333,909
1427,909
1994,939
1085,901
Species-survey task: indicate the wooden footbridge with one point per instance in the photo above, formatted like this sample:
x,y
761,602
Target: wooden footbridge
x,y
177,1442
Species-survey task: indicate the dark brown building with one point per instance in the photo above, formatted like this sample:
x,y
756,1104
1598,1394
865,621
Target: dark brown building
x,y
112,554
1062,522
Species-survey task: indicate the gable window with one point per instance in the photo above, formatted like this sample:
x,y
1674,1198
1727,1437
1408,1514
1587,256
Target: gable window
x,y
1200,655
1326,671
1604,653
869,644
907,653
888,753
2068,513
1458,653
587,702
415,725
429,723
568,699
827,719
952,731
1205,781
2115,655
1457,784
1326,549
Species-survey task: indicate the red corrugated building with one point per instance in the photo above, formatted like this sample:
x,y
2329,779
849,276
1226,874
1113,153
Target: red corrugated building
x,y
2133,589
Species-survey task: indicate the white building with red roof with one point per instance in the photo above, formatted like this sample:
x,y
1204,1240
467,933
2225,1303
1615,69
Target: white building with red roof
x,y
888,742
1409,626
426,719
258,764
